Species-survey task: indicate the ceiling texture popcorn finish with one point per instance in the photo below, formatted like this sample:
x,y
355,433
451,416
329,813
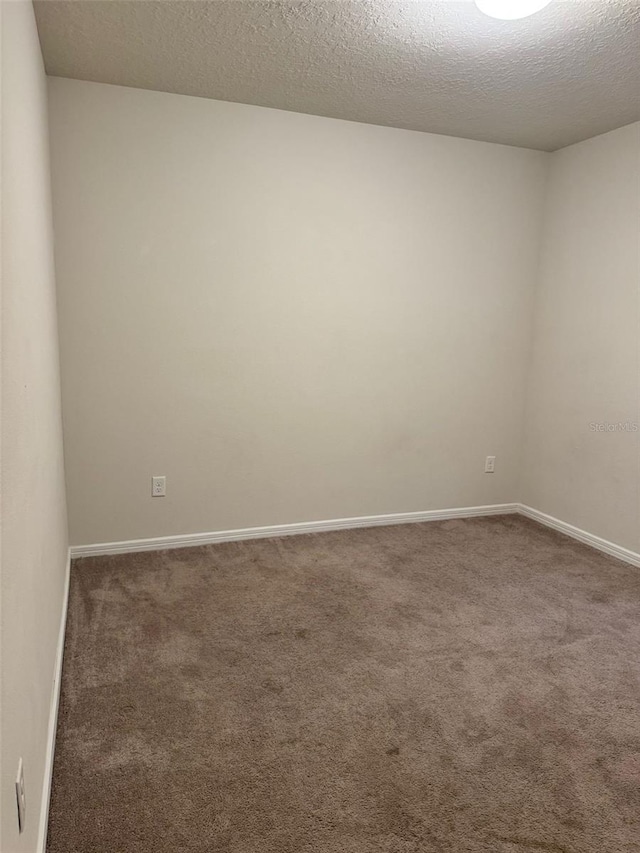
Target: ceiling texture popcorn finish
x,y
569,72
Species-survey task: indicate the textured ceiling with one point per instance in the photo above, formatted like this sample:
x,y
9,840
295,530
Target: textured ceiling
x,y
570,72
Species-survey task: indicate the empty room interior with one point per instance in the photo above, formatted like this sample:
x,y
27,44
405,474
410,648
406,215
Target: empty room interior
x,y
320,426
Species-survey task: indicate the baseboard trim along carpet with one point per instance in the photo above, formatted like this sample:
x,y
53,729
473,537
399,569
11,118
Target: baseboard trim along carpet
x,y
583,536
161,543
53,716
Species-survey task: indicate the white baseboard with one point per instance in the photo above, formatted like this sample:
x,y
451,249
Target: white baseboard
x,y
581,535
53,717
161,543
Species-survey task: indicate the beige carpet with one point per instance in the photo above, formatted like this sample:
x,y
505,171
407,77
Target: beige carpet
x,y
453,686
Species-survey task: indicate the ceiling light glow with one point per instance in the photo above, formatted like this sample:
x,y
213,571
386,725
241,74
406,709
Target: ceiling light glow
x,y
511,10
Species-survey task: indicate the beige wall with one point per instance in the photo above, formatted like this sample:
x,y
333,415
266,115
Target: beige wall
x,y
291,317
586,356
34,529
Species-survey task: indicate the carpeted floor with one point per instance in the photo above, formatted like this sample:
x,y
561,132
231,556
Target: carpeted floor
x,y
458,686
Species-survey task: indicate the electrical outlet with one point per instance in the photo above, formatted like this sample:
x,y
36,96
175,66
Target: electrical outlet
x,y
21,797
490,465
158,487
